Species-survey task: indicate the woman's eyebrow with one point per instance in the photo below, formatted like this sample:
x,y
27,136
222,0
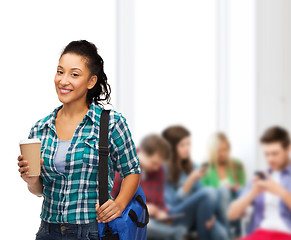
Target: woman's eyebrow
x,y
75,68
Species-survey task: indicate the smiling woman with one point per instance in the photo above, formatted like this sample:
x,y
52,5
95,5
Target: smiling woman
x,y
69,136
77,65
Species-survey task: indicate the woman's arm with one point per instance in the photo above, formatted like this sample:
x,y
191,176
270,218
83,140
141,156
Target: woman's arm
x,y
128,188
113,209
36,188
35,183
195,175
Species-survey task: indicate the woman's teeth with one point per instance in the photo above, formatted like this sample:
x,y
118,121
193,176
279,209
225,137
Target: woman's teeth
x,y
64,91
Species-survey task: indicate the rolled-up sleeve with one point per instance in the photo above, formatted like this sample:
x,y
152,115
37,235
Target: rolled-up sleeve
x,y
126,159
33,132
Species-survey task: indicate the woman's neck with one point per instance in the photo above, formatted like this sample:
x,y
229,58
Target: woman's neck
x,y
73,109
222,163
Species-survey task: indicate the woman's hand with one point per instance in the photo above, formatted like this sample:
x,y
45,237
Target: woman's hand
x,y
108,211
234,187
113,209
209,224
153,210
194,176
23,169
161,214
197,174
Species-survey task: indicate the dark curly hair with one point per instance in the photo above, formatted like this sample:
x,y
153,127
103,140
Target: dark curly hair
x,y
101,90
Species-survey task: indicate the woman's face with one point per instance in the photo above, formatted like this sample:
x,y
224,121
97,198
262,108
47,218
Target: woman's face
x,y
223,152
183,148
72,79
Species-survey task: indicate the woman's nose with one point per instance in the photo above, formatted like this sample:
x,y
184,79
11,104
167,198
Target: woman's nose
x,y
64,80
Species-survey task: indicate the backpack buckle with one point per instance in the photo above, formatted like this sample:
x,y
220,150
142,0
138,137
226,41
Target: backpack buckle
x,y
103,151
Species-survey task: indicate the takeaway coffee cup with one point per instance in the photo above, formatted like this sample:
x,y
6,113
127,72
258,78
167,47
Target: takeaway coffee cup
x,y
30,149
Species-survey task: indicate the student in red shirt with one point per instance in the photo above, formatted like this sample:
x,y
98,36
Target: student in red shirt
x,y
153,151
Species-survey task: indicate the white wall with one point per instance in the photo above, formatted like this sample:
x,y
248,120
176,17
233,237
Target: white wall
x,y
236,77
249,90
125,60
175,69
273,65
254,73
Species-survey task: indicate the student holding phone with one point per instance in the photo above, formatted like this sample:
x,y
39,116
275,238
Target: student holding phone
x,y
184,191
269,192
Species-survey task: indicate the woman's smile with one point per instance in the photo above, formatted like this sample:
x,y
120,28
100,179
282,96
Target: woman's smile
x,y
65,91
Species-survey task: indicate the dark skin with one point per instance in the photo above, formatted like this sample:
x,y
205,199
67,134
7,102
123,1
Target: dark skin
x,y
72,82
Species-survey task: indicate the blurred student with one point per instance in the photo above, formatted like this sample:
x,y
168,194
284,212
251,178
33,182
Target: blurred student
x,y
269,192
153,151
184,191
225,173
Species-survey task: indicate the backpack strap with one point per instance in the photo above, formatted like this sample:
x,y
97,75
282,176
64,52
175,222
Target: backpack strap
x,y
103,157
103,170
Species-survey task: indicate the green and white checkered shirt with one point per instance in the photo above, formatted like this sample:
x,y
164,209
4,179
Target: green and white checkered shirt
x,y
71,196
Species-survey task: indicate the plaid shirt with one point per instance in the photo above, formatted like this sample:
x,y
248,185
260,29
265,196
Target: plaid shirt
x,y
71,196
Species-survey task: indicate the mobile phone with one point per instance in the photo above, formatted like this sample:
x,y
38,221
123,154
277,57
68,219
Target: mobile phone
x,y
260,174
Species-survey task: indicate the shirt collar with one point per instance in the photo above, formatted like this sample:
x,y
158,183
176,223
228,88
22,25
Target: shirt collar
x,y
93,114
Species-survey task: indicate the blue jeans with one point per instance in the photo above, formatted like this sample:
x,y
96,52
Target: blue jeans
x,y
199,207
67,231
225,196
224,199
157,230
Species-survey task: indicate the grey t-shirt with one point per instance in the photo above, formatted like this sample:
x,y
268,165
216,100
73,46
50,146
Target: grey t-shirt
x,y
60,156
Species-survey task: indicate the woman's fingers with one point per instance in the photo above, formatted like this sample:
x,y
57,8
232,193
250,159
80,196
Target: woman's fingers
x,y
20,157
23,169
24,174
22,163
108,210
104,206
112,217
106,215
104,212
